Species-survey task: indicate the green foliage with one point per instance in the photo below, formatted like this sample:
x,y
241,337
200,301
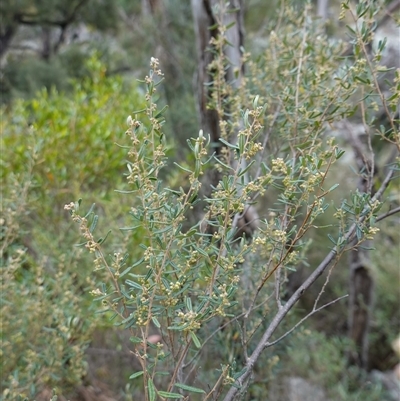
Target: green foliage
x,y
55,146
101,14
191,281
322,360
208,291
76,146
25,77
42,27
45,326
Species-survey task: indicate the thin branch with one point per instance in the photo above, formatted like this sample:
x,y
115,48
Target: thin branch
x,y
387,214
323,287
265,142
219,329
304,319
34,19
389,10
179,364
223,373
330,257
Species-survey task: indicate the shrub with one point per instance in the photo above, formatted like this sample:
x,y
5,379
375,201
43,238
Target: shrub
x,y
46,317
191,282
44,328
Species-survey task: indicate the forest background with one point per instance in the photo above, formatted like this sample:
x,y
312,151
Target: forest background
x,y
69,75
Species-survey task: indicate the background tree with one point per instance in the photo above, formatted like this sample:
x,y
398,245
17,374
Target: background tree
x,y
42,28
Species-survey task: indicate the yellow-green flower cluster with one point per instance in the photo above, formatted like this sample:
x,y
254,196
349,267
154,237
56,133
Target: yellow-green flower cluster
x,y
190,319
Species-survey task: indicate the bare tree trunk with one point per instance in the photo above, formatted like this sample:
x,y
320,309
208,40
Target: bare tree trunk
x,y
360,304
322,9
149,7
6,36
204,19
207,15
46,40
361,281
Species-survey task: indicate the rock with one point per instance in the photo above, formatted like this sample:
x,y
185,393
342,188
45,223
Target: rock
x,y
389,381
300,389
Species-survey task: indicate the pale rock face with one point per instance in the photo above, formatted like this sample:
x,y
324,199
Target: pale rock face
x,y
396,346
391,32
300,389
397,371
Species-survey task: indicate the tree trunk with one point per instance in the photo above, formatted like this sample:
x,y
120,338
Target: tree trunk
x,y
204,19
149,7
361,281
6,37
207,15
322,9
360,304
47,45
206,22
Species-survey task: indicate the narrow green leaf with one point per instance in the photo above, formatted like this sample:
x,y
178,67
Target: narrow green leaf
x,y
101,240
255,101
183,168
152,390
135,375
195,340
179,328
339,153
127,270
351,29
229,145
161,111
131,228
90,210
80,244
140,261
122,147
332,239
242,172
241,373
124,293
190,388
136,340
222,164
133,284
359,233
304,146
201,251
131,318
166,394
158,82
142,110
362,80
155,321
188,302
163,230
113,317
230,25
226,41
